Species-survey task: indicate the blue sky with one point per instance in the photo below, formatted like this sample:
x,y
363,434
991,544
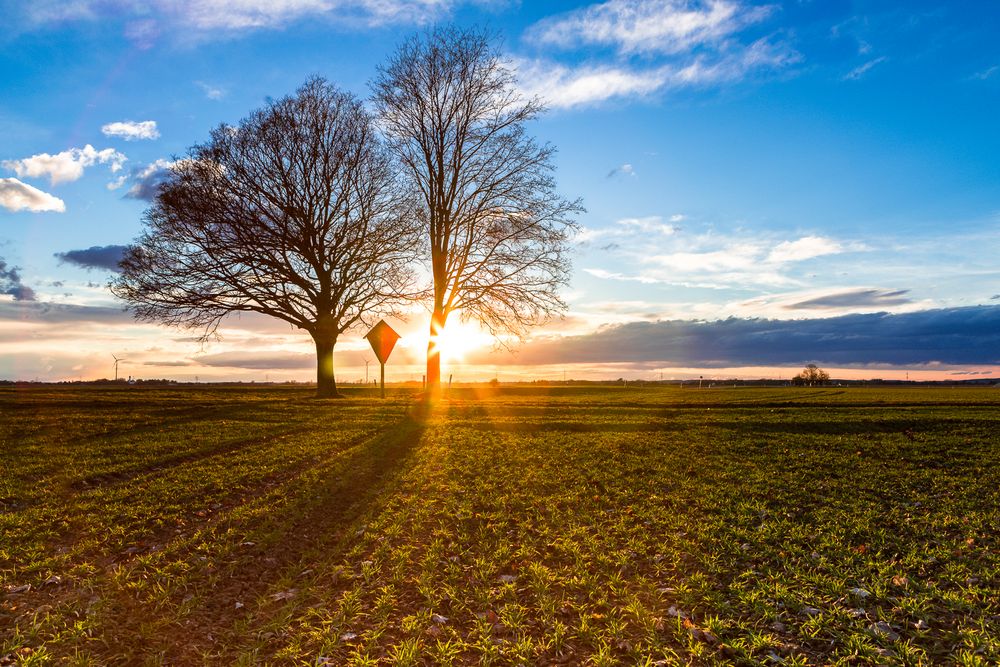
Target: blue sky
x,y
784,161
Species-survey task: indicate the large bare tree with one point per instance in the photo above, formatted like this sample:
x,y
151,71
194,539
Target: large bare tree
x,y
496,229
297,212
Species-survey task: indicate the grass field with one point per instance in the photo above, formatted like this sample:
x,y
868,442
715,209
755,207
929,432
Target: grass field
x,y
580,526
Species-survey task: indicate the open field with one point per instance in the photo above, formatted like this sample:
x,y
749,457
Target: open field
x,y
600,526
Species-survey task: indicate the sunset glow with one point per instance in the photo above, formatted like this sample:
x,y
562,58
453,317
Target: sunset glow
x,y
802,182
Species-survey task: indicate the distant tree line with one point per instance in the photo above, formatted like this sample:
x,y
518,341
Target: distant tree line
x,y
315,211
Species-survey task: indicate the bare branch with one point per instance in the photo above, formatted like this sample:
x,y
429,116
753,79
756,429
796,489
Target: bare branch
x,y
297,213
497,231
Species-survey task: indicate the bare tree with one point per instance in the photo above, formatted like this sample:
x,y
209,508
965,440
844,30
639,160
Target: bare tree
x,y
811,375
497,231
296,213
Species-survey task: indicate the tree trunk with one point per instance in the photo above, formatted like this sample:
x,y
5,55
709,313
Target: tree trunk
x,y
326,383
434,353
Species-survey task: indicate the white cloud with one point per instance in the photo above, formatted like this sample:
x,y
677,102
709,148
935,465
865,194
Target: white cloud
x,y
861,70
652,224
18,196
626,169
648,26
804,248
737,256
211,92
66,166
238,15
566,87
130,130
986,73
708,260
626,228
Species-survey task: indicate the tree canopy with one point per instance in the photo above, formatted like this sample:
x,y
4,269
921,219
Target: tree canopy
x,y
496,230
296,213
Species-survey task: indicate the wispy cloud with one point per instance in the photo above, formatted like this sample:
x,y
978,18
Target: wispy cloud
x,y
17,196
630,227
208,16
622,170
804,248
648,26
707,260
987,73
563,86
65,166
863,69
131,130
211,92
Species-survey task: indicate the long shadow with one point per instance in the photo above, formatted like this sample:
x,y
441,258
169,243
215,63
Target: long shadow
x,y
314,519
127,474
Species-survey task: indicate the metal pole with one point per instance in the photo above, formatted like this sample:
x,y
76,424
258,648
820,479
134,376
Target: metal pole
x,y
383,380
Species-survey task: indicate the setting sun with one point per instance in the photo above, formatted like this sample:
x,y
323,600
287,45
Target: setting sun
x,y
459,339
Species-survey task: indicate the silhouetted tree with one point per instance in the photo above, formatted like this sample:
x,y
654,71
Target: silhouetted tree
x,y
496,229
296,213
811,375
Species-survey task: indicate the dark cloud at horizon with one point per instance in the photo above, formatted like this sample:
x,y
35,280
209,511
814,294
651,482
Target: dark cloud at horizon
x,y
960,336
11,285
857,298
105,257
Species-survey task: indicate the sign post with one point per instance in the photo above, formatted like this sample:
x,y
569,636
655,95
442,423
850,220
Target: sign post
x,y
382,338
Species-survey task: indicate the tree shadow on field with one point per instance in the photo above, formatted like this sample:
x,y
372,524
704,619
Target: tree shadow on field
x,y
304,525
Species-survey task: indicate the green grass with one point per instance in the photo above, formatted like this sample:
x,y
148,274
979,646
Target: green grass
x,y
568,526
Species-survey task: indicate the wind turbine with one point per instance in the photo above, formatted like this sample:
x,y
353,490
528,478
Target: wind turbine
x,y
117,361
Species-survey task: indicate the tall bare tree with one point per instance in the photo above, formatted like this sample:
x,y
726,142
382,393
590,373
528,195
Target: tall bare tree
x,y
496,228
296,213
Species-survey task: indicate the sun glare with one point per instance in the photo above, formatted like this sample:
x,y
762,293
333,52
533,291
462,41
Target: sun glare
x,y
459,339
